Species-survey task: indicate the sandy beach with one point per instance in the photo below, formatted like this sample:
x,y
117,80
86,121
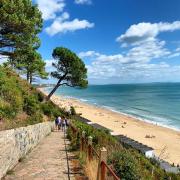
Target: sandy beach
x,y
165,141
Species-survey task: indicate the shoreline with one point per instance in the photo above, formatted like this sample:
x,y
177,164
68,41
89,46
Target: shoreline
x,y
164,140
121,113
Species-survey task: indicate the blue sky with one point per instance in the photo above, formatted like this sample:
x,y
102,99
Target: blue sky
x,y
120,41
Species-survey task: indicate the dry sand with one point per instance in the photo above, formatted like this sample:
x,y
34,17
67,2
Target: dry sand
x,y
165,141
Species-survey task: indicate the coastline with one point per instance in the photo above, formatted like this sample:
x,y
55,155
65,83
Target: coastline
x,y
121,113
165,141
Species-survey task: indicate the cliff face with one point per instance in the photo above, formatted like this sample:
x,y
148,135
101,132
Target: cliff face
x,y
16,143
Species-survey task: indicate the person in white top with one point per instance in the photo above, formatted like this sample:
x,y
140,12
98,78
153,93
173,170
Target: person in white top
x,y
59,122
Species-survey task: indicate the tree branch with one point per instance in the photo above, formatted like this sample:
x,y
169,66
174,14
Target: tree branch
x,y
66,84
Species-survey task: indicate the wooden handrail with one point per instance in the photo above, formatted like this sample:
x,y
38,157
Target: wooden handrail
x,y
95,152
110,170
103,164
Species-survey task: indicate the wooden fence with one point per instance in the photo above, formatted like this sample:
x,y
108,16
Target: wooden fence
x,y
104,172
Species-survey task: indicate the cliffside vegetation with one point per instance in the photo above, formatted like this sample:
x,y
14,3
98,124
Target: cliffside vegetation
x,y
20,103
128,163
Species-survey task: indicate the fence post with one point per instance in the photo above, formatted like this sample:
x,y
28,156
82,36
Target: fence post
x,y
82,141
90,148
101,167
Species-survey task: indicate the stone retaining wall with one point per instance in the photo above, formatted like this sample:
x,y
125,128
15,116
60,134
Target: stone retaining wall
x,y
16,143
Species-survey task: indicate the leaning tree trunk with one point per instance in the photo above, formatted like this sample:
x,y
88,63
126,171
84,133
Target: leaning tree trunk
x,y
30,78
52,92
27,76
56,87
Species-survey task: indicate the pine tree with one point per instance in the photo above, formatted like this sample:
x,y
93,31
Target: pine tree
x,y
70,70
20,22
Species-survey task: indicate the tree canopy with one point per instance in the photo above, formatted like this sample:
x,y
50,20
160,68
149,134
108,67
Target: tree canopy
x,y
30,63
70,69
20,22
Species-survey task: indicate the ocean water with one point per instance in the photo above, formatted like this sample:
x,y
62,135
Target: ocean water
x,y
157,103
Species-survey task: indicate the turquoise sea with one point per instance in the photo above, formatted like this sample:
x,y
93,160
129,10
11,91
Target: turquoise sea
x,y
157,103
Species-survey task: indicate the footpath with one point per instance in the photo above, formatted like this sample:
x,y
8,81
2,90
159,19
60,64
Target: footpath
x,y
48,161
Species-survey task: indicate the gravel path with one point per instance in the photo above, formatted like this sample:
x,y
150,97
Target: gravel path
x,y
48,161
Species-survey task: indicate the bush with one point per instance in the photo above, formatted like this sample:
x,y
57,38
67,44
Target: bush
x,y
18,100
40,96
72,111
125,165
35,118
10,96
49,109
100,137
31,105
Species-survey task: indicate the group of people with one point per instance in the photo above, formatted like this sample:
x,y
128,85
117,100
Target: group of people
x,y
61,123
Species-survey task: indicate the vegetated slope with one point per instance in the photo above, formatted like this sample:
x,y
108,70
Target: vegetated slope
x,y
127,163
20,103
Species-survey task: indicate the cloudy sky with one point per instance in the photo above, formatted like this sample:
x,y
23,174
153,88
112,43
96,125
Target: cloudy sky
x,y
120,41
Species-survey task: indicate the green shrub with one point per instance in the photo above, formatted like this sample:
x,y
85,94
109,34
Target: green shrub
x,y
72,111
40,96
35,118
125,165
11,97
100,137
49,109
31,105
19,100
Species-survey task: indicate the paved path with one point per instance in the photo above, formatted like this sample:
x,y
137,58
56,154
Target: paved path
x,y
47,161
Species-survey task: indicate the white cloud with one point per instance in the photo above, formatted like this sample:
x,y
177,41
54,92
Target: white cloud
x,y
61,25
148,50
178,49
142,54
50,11
83,1
138,62
88,54
49,8
174,54
136,65
116,72
146,31
49,63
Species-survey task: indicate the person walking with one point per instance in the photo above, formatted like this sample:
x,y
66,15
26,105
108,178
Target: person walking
x,y
59,122
63,124
66,122
56,123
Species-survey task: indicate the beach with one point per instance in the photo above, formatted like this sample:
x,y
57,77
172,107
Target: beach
x,y
165,141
